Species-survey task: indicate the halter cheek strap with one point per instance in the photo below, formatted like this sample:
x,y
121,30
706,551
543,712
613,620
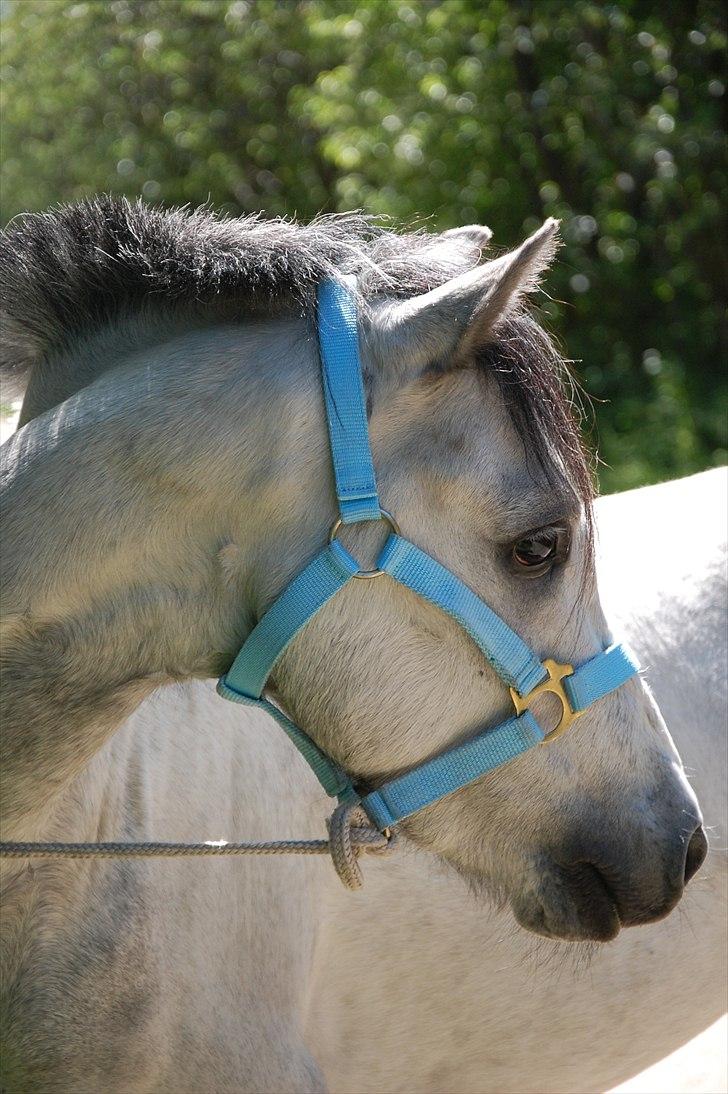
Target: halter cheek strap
x,y
358,500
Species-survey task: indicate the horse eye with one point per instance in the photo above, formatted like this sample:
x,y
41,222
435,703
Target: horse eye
x,y
538,551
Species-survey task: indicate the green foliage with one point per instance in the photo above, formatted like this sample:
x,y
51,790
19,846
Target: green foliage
x,y
605,115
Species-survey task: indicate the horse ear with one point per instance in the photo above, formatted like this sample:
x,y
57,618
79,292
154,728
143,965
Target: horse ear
x,y
458,317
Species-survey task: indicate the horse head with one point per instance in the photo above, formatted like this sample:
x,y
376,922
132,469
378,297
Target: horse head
x,y
190,480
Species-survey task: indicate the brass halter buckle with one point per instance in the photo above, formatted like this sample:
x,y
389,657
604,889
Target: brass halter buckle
x,y
553,686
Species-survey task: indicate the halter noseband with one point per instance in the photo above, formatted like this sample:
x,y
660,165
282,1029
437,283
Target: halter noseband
x,y
358,500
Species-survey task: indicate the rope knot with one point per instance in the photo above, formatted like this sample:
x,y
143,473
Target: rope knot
x,y
350,833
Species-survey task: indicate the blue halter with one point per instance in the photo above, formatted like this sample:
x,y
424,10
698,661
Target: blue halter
x,y
334,567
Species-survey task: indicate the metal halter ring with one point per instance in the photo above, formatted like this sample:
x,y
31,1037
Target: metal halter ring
x,y
554,686
383,515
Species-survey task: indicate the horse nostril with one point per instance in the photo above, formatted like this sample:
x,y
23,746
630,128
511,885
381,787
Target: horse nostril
x,y
697,850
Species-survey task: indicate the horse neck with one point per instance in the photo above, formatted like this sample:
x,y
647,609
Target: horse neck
x,y
61,374
144,566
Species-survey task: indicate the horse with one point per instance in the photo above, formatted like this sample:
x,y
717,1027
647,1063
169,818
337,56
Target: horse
x,y
170,477
415,990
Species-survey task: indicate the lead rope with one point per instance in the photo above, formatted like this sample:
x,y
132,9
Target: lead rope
x,y
350,835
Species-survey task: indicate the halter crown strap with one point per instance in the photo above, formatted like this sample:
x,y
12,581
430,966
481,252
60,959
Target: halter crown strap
x,y
402,561
356,485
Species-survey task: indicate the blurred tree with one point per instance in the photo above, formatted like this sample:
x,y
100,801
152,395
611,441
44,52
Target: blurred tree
x,y
607,115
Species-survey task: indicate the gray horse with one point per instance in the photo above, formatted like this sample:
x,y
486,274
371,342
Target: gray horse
x,y
171,476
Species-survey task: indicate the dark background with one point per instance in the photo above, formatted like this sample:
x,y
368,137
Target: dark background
x,y
443,112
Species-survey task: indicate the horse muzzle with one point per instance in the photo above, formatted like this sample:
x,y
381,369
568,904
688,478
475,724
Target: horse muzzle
x,y
586,897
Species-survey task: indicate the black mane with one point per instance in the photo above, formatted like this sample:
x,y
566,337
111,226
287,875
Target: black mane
x,y
71,271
